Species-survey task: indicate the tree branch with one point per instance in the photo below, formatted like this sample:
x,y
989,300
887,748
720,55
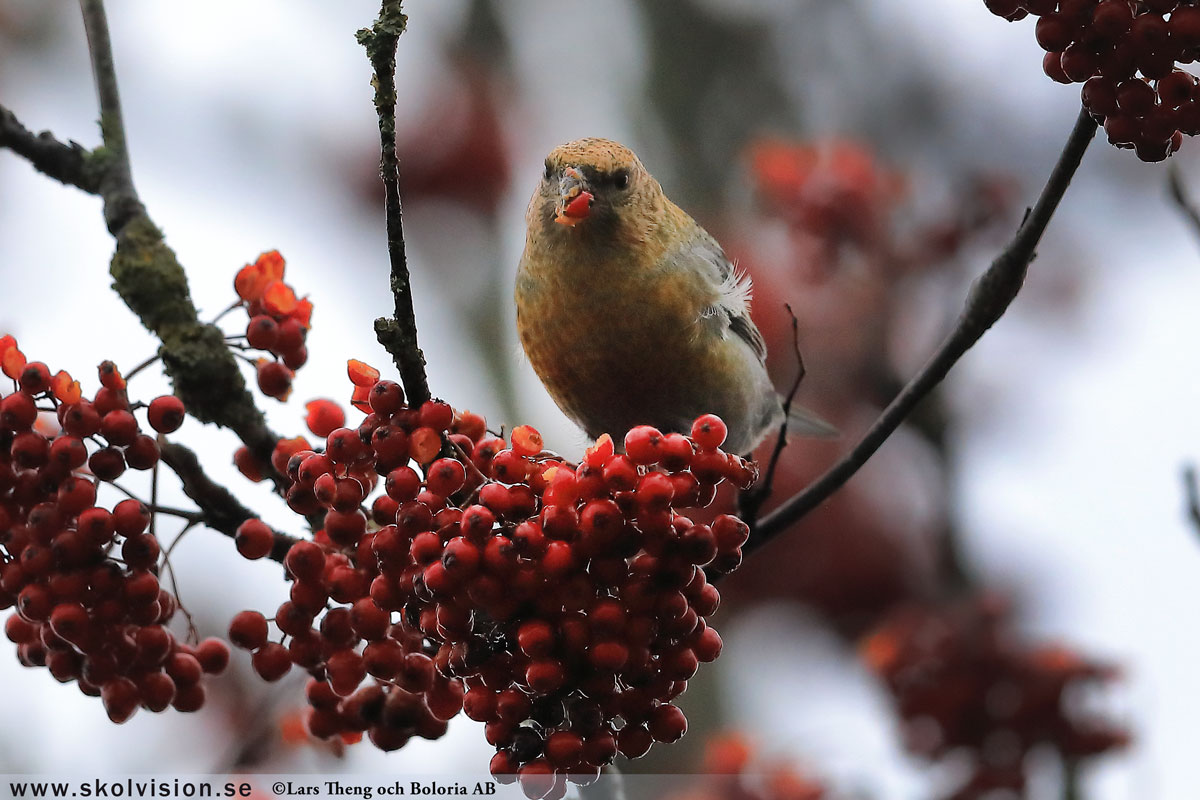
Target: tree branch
x,y
398,335
221,510
148,276
121,203
987,301
66,163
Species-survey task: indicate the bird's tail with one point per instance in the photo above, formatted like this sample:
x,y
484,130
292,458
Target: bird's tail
x,y
807,424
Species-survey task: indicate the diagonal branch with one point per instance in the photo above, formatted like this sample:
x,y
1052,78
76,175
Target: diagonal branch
x,y
989,298
221,510
398,335
66,163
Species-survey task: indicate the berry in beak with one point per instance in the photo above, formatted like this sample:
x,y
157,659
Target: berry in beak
x,y
574,202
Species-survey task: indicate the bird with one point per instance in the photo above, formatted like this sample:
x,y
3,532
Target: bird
x,y
630,312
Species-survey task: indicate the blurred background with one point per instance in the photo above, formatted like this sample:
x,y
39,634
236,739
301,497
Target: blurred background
x,y
999,602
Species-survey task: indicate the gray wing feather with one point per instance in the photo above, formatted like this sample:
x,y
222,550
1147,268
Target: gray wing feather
x,y
732,309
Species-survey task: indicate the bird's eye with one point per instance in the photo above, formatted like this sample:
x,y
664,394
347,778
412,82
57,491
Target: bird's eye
x,y
549,173
620,179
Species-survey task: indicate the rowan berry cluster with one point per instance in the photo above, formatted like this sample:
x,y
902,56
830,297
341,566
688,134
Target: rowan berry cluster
x,y
84,579
562,605
1126,54
279,322
963,679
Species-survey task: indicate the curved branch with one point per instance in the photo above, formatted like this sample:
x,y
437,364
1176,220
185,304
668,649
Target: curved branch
x,y
398,335
220,510
989,298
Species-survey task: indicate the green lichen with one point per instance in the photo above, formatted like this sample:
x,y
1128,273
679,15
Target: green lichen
x,y
149,278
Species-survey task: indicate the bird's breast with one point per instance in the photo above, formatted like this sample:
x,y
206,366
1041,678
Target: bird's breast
x,y
615,344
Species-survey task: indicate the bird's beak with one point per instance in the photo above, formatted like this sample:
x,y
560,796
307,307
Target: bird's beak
x,y
574,201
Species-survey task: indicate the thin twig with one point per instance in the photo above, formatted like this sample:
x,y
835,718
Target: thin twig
x,y
66,163
751,502
222,511
193,517
1191,488
398,335
193,633
229,308
1181,197
989,298
151,360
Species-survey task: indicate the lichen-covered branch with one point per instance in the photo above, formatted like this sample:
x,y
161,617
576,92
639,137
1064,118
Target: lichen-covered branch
x,y
398,335
148,276
220,509
121,203
989,298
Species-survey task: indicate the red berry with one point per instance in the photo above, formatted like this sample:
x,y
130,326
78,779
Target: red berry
x,y
272,661
642,444
166,413
248,630
709,432
254,539
213,655
324,416
130,517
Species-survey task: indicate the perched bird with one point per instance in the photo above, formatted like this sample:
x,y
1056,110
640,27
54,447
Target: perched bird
x,y
631,313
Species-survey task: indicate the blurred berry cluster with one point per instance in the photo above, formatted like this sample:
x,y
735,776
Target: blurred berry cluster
x,y
964,680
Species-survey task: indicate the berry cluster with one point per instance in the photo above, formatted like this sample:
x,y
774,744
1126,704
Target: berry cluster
x,y
84,579
279,322
562,605
1126,54
961,677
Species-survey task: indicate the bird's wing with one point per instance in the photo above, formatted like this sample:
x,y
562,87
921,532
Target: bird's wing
x,y
731,310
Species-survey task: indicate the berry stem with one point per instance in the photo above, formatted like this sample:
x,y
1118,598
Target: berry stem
x,y
398,335
989,297
148,362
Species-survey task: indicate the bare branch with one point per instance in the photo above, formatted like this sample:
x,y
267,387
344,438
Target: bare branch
x,y
222,511
66,163
121,203
989,298
398,335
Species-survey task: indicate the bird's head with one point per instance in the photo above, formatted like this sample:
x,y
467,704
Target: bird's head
x,y
590,183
